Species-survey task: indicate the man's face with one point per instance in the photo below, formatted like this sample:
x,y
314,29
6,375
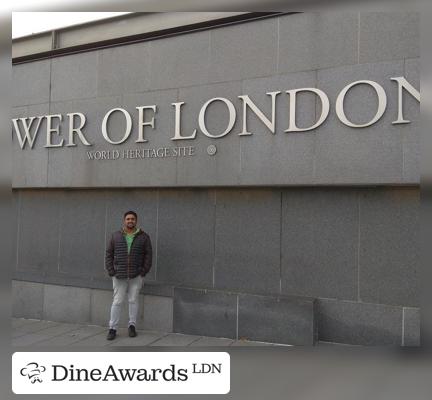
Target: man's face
x,y
130,221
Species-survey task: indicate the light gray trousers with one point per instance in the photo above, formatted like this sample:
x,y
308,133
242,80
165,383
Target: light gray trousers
x,y
121,286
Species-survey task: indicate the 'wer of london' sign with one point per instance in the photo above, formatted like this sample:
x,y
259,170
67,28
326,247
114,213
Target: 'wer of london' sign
x,y
27,129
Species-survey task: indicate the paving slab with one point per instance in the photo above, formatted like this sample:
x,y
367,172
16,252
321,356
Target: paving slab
x,y
143,338
32,328
211,341
73,336
176,339
43,335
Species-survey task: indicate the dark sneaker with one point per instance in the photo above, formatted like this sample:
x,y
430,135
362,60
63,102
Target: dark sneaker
x,y
132,331
111,334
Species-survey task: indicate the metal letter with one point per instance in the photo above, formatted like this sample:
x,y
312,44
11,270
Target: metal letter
x,y
382,104
404,84
51,130
78,131
177,133
142,123
232,117
325,108
27,136
270,124
128,125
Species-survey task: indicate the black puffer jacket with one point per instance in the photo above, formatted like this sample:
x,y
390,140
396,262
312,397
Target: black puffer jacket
x,y
122,265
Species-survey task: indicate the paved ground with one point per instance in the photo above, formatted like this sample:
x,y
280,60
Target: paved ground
x,y
29,332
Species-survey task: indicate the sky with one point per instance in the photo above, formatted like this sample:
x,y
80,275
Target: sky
x,y
27,23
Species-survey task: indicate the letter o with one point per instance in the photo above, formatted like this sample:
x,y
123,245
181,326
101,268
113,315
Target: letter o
x,y
128,125
382,104
232,117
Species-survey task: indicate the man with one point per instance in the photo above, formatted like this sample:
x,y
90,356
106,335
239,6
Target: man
x,y
128,259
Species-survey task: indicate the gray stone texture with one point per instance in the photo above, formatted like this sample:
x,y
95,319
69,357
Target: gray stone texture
x,y
66,304
31,83
27,299
288,320
180,61
411,328
74,76
319,249
309,41
131,74
39,252
247,247
359,323
203,312
186,237
157,313
390,246
389,36
243,51
82,239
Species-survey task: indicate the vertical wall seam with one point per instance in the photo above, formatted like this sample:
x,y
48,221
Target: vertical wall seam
x,y
157,233
18,230
49,112
278,43
59,235
403,326
358,244
106,223
214,238
358,38
237,315
280,241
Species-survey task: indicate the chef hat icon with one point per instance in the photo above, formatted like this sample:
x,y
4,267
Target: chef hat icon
x,y
33,371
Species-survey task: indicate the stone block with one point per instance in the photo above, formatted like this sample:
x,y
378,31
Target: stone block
x,y
320,243
123,69
314,40
411,328
74,76
289,320
247,245
389,36
180,60
203,312
389,258
66,304
243,51
157,313
27,299
40,210
359,323
31,83
186,237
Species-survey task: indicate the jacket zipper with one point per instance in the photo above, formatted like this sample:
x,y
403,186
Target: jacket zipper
x,y
133,240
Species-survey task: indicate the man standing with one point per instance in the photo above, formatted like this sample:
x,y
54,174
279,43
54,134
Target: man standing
x,y
128,259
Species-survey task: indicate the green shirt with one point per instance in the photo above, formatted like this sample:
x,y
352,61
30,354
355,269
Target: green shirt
x,y
129,239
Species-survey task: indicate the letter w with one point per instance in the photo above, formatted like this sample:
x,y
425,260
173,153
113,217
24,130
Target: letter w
x,y
128,374
27,126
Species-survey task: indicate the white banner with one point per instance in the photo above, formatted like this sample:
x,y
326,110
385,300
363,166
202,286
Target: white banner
x,y
120,372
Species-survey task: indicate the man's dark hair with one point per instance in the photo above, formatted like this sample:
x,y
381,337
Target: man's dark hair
x,y
130,212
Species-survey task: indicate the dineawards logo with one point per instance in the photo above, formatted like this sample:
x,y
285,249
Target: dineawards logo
x,y
121,372
33,371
